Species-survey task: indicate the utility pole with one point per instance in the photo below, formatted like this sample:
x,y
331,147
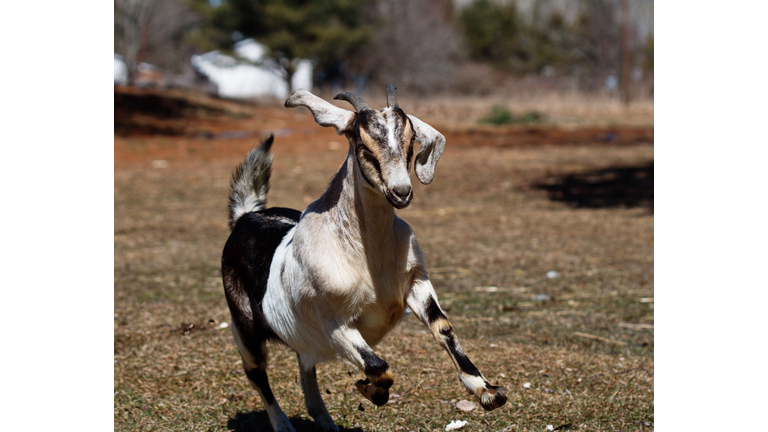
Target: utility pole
x,y
625,52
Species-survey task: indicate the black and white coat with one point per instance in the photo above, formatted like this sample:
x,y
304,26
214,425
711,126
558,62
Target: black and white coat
x,y
332,281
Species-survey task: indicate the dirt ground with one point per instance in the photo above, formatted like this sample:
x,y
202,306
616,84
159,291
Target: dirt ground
x,y
538,239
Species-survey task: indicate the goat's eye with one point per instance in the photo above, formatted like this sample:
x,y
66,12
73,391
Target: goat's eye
x,y
363,148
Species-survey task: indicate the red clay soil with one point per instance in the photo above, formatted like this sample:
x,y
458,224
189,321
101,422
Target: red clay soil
x,y
174,124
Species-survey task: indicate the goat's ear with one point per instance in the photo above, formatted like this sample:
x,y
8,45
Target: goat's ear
x,y
432,144
324,112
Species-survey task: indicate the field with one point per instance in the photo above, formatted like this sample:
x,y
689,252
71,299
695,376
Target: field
x,y
538,239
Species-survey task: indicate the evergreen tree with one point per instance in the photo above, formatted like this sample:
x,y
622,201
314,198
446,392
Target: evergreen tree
x,y
325,31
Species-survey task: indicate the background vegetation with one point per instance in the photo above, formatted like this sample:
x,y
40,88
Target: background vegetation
x,y
423,45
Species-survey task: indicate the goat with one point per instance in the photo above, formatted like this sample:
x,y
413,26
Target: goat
x,y
331,281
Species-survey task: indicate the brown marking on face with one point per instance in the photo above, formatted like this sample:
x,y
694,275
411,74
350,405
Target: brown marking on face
x,y
408,135
371,144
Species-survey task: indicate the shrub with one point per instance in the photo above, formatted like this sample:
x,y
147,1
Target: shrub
x,y
501,115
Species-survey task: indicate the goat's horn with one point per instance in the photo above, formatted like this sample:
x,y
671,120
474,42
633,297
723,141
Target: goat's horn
x,y
357,102
391,98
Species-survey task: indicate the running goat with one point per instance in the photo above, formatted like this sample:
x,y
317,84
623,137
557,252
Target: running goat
x,y
332,281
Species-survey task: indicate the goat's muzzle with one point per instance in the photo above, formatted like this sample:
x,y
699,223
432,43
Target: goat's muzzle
x,y
400,196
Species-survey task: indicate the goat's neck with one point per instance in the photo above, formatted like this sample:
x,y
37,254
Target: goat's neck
x,y
366,216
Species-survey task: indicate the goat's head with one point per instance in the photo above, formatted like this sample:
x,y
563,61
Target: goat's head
x,y
381,141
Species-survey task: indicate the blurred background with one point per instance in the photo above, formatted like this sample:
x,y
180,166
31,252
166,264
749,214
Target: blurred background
x,y
264,48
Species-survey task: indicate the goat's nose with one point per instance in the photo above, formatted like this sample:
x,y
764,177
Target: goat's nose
x,y
402,191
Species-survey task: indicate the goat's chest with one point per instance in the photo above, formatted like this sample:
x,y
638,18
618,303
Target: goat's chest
x,y
384,306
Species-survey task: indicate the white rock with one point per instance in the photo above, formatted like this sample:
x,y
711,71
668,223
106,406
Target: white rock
x,y
527,385
552,274
455,425
223,325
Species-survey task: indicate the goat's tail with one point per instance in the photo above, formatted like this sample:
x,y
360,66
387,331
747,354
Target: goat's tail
x,y
250,182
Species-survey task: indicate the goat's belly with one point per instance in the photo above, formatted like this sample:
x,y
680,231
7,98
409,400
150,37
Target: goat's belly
x,y
301,333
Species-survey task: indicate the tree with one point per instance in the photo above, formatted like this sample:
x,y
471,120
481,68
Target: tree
x,y
154,31
599,36
493,31
415,44
325,31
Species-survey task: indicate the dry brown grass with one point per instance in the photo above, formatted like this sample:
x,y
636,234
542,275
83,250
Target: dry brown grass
x,y
586,349
562,107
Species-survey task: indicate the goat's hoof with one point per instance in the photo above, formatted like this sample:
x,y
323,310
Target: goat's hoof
x,y
378,395
492,397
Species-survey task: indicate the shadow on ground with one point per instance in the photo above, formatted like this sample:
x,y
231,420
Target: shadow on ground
x,y
620,186
131,106
257,421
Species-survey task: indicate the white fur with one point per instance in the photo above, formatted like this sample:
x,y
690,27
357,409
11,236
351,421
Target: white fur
x,y
340,279
325,113
432,145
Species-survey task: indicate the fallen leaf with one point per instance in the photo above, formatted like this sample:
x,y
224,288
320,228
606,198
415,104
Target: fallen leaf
x,y
465,405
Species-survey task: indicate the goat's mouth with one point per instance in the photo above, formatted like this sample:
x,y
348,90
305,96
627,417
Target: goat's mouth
x,y
397,201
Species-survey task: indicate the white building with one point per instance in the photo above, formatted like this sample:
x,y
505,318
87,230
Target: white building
x,y
121,71
240,79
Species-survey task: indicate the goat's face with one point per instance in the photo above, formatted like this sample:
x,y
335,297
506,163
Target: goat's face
x,y
381,141
383,147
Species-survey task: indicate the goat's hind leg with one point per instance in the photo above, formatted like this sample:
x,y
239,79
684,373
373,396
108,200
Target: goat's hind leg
x,y
255,365
313,399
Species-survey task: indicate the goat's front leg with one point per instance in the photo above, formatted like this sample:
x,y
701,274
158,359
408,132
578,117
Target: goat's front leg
x,y
423,302
350,345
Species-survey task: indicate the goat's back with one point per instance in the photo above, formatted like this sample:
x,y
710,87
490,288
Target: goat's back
x,y
245,265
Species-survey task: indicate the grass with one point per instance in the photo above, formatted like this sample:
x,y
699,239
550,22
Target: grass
x,y
584,340
501,115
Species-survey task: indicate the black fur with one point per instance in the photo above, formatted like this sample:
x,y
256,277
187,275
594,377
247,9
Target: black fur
x,y
433,311
259,378
245,266
433,314
463,361
374,129
375,366
409,157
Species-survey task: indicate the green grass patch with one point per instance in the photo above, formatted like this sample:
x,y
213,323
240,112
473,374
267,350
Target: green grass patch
x,y
501,115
